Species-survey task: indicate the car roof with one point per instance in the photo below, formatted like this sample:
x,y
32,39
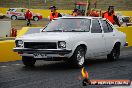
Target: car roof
x,y
17,8
87,17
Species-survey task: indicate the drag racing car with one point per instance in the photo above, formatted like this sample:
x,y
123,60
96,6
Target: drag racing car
x,y
19,13
72,39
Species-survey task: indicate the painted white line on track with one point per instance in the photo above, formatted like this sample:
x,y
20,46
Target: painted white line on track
x,y
16,64
3,66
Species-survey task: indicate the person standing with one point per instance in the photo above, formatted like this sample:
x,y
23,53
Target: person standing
x,y
54,13
110,15
75,12
28,17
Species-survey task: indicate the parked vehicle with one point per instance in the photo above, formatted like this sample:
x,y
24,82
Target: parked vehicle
x,y
73,39
123,19
19,13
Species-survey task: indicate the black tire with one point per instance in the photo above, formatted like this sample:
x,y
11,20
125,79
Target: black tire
x,y
13,17
78,57
28,61
115,53
35,18
1,17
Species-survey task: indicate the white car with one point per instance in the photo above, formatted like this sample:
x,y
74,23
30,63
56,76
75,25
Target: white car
x,y
19,13
73,39
122,18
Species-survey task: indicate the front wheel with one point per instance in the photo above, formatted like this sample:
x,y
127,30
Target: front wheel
x,y
13,17
78,57
28,61
115,53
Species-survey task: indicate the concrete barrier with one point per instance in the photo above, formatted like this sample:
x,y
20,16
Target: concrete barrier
x,y
6,51
6,47
128,31
28,30
5,28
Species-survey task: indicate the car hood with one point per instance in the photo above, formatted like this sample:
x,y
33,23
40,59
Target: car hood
x,y
49,36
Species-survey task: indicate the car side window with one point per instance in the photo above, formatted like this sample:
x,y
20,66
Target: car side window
x,y
105,27
11,9
85,24
24,10
96,27
110,28
18,10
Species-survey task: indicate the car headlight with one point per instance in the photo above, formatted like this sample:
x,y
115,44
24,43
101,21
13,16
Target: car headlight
x,y
19,43
61,44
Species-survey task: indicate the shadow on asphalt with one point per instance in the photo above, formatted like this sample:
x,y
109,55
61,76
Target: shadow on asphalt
x,y
61,65
89,63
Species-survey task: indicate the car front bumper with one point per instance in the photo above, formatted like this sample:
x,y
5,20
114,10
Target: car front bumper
x,y
45,51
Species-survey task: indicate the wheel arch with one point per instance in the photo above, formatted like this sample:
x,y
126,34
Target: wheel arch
x,y
117,43
80,44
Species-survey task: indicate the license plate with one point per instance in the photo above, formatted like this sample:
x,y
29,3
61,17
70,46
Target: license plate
x,y
38,55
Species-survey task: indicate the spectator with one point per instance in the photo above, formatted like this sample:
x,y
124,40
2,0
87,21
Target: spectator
x,y
94,13
75,12
28,17
54,13
111,16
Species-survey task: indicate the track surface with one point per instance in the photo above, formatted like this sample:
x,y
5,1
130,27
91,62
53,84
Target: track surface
x,y
59,75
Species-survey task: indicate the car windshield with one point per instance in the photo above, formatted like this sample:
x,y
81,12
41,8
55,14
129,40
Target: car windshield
x,y
68,25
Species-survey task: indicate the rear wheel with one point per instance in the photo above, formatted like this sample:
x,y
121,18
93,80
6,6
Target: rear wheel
x,y
28,61
78,56
115,53
35,18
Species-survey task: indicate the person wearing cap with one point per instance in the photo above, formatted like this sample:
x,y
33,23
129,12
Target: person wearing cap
x,y
110,15
54,13
75,12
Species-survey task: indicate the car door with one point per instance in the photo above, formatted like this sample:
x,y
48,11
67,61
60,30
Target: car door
x,y
109,35
20,14
97,40
23,12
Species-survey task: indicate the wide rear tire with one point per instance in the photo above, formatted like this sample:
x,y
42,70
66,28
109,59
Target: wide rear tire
x,y
115,53
35,18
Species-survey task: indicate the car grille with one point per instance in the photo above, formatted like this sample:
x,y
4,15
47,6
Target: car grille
x,y
40,45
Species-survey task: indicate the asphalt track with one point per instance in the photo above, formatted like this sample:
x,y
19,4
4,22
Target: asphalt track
x,y
59,75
